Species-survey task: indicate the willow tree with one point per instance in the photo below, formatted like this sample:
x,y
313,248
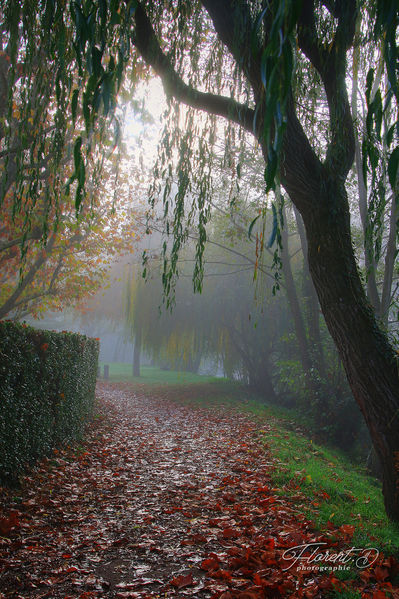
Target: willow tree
x,y
235,59
253,45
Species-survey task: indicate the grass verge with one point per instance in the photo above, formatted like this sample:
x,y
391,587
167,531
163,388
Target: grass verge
x,y
151,375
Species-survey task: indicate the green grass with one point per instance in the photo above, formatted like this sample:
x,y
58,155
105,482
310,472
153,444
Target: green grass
x,y
354,496
151,375
351,496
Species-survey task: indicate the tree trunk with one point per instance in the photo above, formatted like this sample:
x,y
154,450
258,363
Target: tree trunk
x,y
389,261
369,361
137,351
260,379
258,368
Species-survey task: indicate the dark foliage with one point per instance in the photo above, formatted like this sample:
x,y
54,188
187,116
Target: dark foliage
x,y
47,383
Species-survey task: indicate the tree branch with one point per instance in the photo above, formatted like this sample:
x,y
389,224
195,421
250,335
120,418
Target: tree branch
x,y
43,256
146,42
331,65
36,234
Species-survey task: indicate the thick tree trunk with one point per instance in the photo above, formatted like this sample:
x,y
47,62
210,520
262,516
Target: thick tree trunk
x,y
370,362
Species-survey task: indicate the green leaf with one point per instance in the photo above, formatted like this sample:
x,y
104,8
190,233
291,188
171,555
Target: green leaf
x,y
86,111
77,156
74,104
96,57
393,164
271,169
106,92
390,134
369,84
273,234
251,226
81,173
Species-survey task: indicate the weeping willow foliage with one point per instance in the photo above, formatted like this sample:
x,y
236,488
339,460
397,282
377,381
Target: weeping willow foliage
x,y
177,339
62,91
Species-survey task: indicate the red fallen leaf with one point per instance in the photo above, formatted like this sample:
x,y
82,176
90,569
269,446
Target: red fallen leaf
x,y
393,566
347,529
229,533
258,580
222,575
210,564
379,595
197,538
180,582
380,573
325,584
226,595
229,497
7,524
365,576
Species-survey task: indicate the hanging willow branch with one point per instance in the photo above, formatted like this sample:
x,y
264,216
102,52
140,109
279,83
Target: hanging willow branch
x,y
59,100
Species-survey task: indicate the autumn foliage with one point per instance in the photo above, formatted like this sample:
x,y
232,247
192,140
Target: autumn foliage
x,y
47,384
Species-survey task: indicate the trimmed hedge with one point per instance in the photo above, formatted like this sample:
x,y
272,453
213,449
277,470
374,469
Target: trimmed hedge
x,y
47,389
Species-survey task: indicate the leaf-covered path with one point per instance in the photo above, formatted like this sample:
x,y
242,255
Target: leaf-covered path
x,y
162,500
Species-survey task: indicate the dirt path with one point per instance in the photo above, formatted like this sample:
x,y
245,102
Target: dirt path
x,y
162,501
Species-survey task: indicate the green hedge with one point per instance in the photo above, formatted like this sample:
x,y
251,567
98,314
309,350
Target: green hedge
x,y
47,387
